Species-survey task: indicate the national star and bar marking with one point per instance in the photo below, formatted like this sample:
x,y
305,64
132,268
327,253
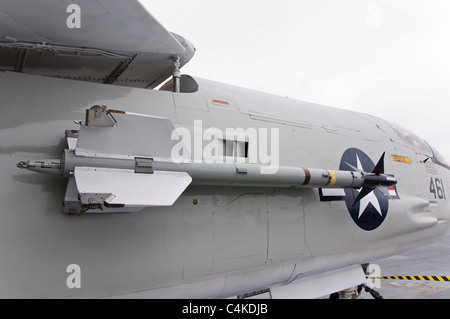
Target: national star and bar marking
x,y
371,210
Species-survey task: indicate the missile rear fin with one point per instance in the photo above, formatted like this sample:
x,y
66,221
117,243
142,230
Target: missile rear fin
x,y
100,190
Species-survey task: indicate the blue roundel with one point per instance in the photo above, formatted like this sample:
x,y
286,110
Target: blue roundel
x,y
370,211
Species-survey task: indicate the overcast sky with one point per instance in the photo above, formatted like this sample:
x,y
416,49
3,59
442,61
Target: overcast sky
x,y
387,58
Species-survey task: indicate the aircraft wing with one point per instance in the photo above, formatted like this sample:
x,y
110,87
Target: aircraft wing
x,y
105,41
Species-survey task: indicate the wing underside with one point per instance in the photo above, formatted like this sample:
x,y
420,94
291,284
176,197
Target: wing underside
x,y
115,42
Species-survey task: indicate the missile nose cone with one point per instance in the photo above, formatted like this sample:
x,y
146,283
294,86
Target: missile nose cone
x,y
22,165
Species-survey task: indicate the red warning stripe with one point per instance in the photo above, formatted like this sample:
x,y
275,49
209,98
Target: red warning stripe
x,y
221,102
307,176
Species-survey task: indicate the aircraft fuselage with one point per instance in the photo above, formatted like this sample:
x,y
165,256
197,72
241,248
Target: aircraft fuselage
x,y
215,240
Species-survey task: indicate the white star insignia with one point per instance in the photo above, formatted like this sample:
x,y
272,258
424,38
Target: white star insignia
x,y
370,198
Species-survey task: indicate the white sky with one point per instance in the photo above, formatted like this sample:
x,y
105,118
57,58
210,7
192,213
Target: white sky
x,y
388,58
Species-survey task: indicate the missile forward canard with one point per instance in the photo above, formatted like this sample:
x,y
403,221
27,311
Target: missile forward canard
x,y
197,189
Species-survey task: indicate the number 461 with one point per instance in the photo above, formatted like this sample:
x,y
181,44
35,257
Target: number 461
x,y
437,188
